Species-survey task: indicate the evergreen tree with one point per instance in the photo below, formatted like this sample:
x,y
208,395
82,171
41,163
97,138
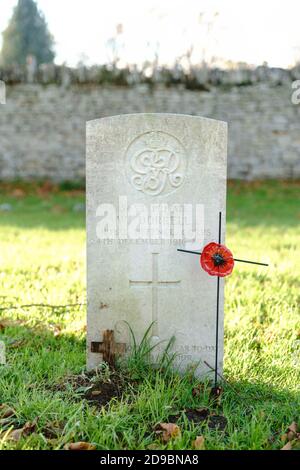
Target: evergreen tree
x,y
27,35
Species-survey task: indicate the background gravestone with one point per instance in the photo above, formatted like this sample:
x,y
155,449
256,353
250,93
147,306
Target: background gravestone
x,y
149,160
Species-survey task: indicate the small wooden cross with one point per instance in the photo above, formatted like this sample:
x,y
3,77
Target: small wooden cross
x,y
108,348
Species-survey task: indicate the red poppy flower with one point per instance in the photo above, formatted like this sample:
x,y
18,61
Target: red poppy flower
x,y
217,260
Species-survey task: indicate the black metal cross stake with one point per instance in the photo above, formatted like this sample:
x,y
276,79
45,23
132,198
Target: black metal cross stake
x,y
217,315
218,260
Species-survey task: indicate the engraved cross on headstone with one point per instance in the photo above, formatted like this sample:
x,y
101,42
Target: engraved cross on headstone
x,y
155,284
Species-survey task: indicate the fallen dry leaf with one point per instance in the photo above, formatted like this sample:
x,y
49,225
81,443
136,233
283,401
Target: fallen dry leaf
x,y
17,434
198,443
292,431
168,431
293,427
14,435
292,436
6,411
79,446
287,446
4,423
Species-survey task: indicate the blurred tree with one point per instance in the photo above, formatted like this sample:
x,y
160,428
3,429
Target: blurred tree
x,y
27,35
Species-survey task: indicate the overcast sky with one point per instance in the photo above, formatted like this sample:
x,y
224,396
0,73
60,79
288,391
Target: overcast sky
x,y
251,31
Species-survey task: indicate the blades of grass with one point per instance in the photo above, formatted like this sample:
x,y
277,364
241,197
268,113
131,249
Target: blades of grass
x,y
146,336
166,360
132,336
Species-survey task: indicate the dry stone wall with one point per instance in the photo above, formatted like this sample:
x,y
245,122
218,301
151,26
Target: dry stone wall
x,y
42,126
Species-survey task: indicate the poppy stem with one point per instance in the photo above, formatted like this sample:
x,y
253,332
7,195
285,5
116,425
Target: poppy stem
x,y
235,259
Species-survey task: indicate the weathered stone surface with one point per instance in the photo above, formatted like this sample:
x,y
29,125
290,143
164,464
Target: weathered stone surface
x,y
139,277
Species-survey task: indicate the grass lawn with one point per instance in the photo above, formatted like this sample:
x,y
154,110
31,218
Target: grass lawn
x,y
42,261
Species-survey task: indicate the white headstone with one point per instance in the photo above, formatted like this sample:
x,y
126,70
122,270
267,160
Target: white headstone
x,y
155,183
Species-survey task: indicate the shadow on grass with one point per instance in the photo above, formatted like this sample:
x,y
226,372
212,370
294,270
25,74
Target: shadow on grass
x,y
40,351
46,369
